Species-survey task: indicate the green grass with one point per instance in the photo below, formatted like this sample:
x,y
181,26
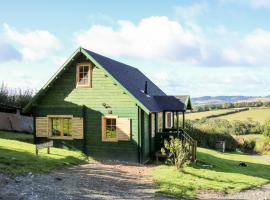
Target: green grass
x,y
259,115
256,114
17,156
225,176
199,115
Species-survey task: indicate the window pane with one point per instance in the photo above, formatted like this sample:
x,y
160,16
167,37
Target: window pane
x,y
114,122
83,75
169,119
67,127
111,128
56,127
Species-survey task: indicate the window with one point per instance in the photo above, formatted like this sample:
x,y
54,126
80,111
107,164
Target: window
x,y
60,127
115,129
169,119
111,129
84,74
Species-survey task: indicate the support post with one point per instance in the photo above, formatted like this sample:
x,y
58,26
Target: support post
x,y
84,129
183,120
177,121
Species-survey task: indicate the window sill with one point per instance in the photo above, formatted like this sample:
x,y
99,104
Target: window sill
x,y
109,140
83,86
60,138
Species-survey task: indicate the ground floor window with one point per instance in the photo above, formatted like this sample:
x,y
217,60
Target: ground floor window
x,y
60,127
116,129
111,128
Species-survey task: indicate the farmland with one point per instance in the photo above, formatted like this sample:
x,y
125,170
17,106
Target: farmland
x,y
256,114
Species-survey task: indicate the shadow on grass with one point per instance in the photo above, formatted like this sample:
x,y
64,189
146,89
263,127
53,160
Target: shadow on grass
x,y
232,166
14,162
22,137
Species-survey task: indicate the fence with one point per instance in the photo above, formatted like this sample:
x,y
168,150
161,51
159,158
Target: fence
x,y
16,122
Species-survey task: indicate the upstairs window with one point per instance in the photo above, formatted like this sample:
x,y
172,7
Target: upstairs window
x,y
168,120
84,75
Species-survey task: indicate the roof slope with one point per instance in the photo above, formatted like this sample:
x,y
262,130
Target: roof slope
x,y
132,79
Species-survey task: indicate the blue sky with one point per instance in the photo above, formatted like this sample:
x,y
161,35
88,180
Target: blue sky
x,y
214,47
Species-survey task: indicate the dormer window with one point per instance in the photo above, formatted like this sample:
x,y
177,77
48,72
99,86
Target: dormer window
x,y
84,75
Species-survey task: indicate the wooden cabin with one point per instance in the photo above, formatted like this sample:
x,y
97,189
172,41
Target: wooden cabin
x,y
107,109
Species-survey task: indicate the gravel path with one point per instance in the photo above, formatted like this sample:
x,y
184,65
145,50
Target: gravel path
x,y
100,181
262,193
90,181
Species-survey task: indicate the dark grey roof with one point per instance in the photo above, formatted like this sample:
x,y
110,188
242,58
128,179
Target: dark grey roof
x,y
170,103
134,81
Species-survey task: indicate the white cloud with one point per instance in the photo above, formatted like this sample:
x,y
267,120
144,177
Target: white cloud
x,y
33,45
254,4
260,3
152,38
162,39
191,12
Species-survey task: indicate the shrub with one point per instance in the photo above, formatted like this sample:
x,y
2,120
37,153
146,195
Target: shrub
x,y
266,128
207,133
178,153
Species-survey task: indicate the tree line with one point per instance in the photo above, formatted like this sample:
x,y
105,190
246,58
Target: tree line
x,y
208,107
15,96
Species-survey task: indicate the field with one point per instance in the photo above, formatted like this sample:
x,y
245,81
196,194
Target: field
x,y
255,114
17,156
214,171
259,115
199,115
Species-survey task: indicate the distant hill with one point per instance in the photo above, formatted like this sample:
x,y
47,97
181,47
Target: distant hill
x,y
227,99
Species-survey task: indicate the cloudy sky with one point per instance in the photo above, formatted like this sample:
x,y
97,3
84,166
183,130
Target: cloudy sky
x,y
214,47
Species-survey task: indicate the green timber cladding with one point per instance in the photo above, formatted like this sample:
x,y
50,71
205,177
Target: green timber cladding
x,y
63,98
106,97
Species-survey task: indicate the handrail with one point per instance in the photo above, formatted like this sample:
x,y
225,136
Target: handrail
x,y
186,138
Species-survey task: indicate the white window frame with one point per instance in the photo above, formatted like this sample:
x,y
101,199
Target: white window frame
x,y
166,113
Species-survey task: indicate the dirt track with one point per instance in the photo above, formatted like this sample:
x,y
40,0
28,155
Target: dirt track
x,y
90,181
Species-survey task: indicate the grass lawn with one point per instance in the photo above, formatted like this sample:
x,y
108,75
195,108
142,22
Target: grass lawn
x,y
225,176
259,115
17,156
199,115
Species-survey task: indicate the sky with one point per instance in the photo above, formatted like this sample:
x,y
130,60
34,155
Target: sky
x,y
206,47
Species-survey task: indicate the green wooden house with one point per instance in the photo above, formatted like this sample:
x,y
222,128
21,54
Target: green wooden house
x,y
107,109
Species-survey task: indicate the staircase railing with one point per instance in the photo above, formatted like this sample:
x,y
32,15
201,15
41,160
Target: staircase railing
x,y
192,145
184,136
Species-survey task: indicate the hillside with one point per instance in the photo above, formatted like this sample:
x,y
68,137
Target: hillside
x,y
227,99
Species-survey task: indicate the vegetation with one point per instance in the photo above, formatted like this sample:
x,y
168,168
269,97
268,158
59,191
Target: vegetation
x,y
259,115
213,171
178,153
200,115
15,97
208,131
244,104
17,156
254,143
266,128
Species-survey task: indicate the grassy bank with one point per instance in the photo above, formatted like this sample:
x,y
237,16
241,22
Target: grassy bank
x,y
17,156
214,171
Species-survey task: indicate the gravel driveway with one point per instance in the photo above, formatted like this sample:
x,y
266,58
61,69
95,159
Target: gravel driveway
x,y
89,181
100,181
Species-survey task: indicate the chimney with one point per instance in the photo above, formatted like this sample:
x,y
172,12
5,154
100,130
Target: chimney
x,y
145,88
